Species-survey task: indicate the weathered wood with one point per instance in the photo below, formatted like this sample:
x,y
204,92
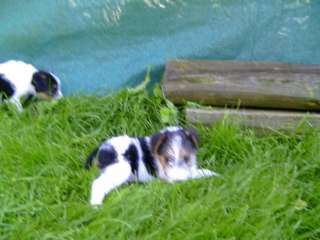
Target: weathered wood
x,y
257,119
244,84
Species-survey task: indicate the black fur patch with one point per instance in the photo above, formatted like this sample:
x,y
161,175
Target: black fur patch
x,y
189,139
6,88
107,156
148,159
192,134
90,158
132,155
44,82
157,141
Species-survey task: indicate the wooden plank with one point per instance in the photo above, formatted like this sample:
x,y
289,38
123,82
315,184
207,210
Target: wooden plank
x,y
258,119
244,84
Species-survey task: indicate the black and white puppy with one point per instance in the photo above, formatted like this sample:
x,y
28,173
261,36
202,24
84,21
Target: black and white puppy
x,y
169,155
19,79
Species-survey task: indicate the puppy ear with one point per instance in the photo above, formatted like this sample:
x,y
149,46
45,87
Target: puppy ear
x,y
45,82
193,136
38,81
157,141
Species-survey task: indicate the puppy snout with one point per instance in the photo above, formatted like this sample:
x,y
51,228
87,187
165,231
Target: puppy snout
x,y
182,164
178,174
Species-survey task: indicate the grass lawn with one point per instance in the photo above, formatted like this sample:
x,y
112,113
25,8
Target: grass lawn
x,y
269,186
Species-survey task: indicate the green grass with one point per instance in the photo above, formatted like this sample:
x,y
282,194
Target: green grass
x,y
269,186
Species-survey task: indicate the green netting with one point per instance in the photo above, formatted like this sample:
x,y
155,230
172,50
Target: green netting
x,y
105,44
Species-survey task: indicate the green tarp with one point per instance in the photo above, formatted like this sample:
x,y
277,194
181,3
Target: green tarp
x,y
103,44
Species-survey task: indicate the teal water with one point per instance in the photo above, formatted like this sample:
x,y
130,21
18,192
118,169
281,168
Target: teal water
x,y
103,44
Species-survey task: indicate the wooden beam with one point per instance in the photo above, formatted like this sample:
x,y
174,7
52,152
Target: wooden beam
x,y
244,84
258,119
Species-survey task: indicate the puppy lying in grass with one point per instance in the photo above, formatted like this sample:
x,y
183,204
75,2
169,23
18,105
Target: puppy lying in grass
x,y
21,80
169,155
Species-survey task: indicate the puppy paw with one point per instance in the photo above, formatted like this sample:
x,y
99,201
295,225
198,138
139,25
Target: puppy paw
x,y
202,173
208,173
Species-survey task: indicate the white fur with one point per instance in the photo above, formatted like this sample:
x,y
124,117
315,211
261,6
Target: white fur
x,y
120,143
113,176
120,172
59,95
178,174
20,74
171,129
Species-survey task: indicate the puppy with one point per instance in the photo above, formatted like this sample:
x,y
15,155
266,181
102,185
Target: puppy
x,y
21,80
169,155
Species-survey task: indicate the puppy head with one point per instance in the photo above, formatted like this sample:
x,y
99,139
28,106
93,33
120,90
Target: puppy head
x,y
47,85
174,150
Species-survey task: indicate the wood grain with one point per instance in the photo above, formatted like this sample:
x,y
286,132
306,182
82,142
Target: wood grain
x,y
257,119
243,84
